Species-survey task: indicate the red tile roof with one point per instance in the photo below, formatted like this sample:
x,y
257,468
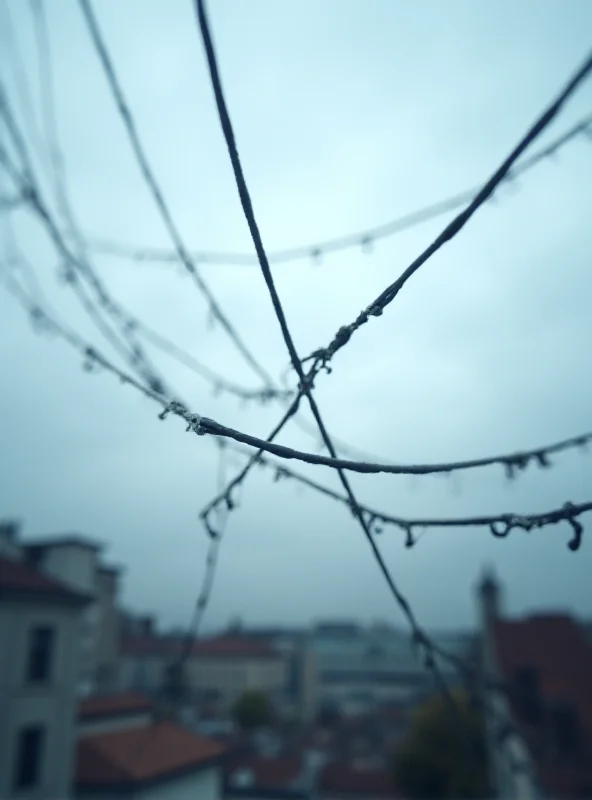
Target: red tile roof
x,y
18,577
141,755
234,647
217,646
113,705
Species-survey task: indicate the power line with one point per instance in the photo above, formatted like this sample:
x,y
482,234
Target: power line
x,y
76,267
499,525
323,356
157,194
127,323
364,239
513,462
305,387
57,162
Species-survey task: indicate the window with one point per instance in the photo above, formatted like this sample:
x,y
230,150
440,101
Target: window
x,y
28,757
41,646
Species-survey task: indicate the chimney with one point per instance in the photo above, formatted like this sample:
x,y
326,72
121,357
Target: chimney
x,y
9,534
489,593
147,625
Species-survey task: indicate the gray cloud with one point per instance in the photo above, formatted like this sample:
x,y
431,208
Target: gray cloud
x,y
347,114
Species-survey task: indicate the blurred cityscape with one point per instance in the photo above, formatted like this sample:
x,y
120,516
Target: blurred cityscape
x,y
97,700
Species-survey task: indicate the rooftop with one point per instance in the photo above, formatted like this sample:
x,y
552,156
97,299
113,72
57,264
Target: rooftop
x,y
233,646
141,755
113,705
218,646
19,579
64,540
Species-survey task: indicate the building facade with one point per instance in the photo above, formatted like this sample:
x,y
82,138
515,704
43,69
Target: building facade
x,y
539,727
217,670
40,623
75,561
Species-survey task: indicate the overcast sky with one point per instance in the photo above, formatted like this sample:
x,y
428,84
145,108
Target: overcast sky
x,y
347,114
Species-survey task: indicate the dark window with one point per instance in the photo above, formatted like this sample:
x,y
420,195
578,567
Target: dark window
x,y
568,734
41,645
28,757
528,696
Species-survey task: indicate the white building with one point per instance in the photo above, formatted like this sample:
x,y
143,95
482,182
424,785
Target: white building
x,y
40,620
218,670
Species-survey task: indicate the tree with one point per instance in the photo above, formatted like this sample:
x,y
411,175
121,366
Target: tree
x,y
174,686
444,754
253,710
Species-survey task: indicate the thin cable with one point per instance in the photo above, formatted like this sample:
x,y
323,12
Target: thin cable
x,y
220,383
322,357
362,239
131,353
57,162
512,462
306,388
499,525
375,309
157,194
125,322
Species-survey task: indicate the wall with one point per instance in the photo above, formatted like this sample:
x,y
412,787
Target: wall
x,y
76,565
506,783
205,784
52,705
72,564
107,631
230,677
141,672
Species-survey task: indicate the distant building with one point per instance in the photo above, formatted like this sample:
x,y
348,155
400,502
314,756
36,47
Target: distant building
x,y
40,622
360,668
218,669
300,695
540,727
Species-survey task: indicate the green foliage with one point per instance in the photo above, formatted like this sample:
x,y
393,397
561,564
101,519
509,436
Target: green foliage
x,y
444,754
253,710
174,687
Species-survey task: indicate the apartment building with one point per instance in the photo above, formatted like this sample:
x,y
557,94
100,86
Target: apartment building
x,y
40,620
